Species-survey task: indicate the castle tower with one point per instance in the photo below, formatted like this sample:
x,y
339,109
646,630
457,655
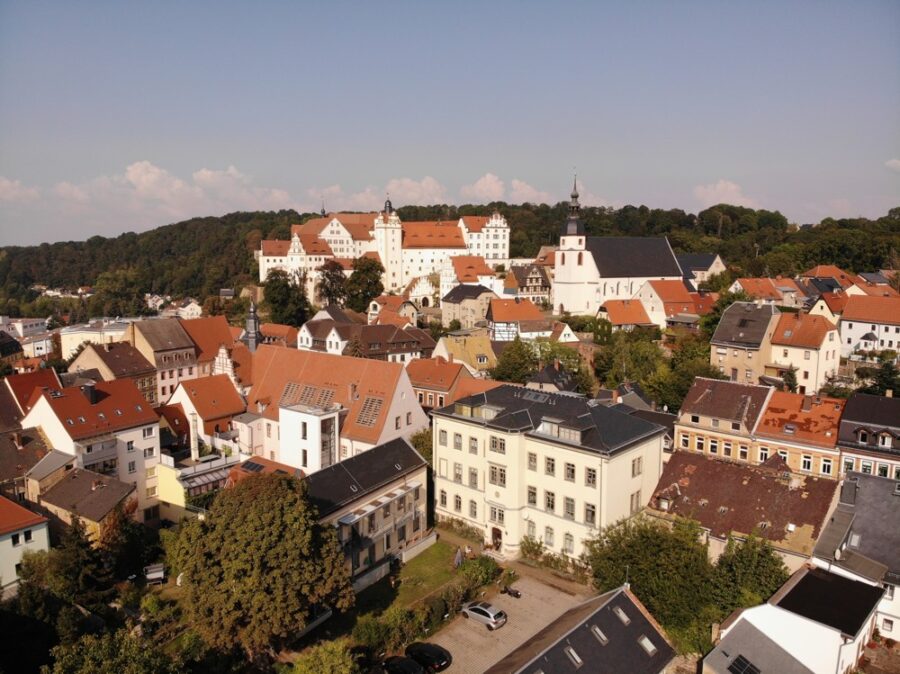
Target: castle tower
x,y
389,244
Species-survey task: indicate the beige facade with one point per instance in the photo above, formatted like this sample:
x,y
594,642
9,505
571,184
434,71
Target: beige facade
x,y
88,359
813,366
468,311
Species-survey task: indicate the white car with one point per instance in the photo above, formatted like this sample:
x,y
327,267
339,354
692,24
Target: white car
x,y
484,613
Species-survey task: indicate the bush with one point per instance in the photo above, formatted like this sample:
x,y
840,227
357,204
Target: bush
x,y
479,571
460,528
436,608
531,548
455,594
402,626
370,633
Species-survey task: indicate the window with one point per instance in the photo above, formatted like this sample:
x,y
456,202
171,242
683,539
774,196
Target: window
x,y
569,508
715,423
443,499
849,464
550,466
129,446
570,472
647,645
132,467
637,466
882,470
695,419
28,535
497,475
549,501
531,529
442,438
806,463
713,446
887,625
149,452
826,467
699,443
685,441
884,440
473,509
151,492
457,503
148,432
498,445
763,454
726,448
636,502
548,536
590,513
457,441
16,540
408,418
473,445
457,472
621,615
863,437
889,592
532,461
568,544
497,515
866,467
532,496
386,511
590,477
735,425
473,478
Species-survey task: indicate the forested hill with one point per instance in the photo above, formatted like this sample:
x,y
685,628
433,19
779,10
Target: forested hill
x,y
198,256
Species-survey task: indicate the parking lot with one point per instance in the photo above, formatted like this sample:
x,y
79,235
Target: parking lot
x,y
474,648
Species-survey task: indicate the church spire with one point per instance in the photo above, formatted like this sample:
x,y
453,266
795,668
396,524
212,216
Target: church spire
x,y
573,225
388,206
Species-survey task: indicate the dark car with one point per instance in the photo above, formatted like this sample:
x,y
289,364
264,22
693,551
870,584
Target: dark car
x,y
431,656
400,665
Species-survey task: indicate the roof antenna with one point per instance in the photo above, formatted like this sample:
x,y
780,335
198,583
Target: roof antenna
x,y
627,583
323,207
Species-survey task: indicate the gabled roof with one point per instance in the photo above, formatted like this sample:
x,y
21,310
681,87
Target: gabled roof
x,y
727,497
555,375
164,334
864,308
726,400
633,257
14,517
213,397
761,288
546,256
513,311
467,349
359,225
277,331
52,462
208,334
122,359
20,451
475,223
175,418
801,330
704,302
521,272
363,386
875,290
22,386
119,405
260,465
434,373
835,302
466,292
88,494
813,420
745,642
431,234
829,271
9,345
275,247
598,637
871,411
743,324
469,267
626,312
358,477
690,262
672,291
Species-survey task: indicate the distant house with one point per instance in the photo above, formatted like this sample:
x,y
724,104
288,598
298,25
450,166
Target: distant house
x,y
667,301
281,335
553,378
740,346
829,272
625,315
392,304
467,304
778,291
21,531
697,268
807,344
869,437
188,309
377,342
869,324
472,350
528,282
16,395
613,632
211,402
468,270
10,349
434,380
20,451
505,318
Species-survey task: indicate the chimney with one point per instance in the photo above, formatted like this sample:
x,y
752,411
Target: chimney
x,y
90,392
195,439
17,440
108,346
353,393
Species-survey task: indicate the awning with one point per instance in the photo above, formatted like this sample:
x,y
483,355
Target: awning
x,y
193,481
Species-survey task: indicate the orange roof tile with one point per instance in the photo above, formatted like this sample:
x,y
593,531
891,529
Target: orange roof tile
x,y
280,372
803,330
760,288
704,302
174,417
546,257
242,362
672,291
835,302
391,317
434,373
14,517
22,386
469,386
513,311
359,225
288,333
877,290
275,247
313,245
802,418
626,312
469,267
213,397
120,405
239,472
431,234
829,271
885,310
475,223
208,334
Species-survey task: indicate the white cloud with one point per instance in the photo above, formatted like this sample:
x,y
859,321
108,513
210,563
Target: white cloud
x,y
522,192
15,191
403,192
69,192
588,198
486,189
893,164
722,192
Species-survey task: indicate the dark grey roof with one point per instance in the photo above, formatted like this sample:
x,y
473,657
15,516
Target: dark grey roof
x,y
690,262
556,376
341,315
874,277
576,630
465,292
876,415
330,489
832,600
867,520
745,640
743,324
164,334
520,409
51,463
9,345
824,285
122,359
20,451
88,494
663,419
80,378
633,256
722,399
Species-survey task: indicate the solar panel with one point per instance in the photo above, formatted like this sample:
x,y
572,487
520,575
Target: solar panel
x,y
535,397
252,466
741,665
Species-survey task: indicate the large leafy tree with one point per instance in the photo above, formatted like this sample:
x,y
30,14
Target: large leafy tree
x,y
517,362
364,283
118,652
628,357
746,574
332,283
286,298
328,657
77,571
258,566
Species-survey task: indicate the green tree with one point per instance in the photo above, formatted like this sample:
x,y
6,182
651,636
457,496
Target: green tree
x,y
517,362
364,283
327,657
258,566
886,378
454,325
628,357
569,359
118,652
422,441
332,283
746,574
710,321
286,298
77,571
790,379
668,568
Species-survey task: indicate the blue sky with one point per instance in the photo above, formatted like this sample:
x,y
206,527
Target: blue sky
x,y
124,116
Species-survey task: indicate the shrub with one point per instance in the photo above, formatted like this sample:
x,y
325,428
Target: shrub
x,y
437,608
479,571
402,626
459,527
531,548
371,633
454,595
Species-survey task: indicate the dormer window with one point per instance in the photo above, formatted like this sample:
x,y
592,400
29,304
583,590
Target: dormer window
x,y
863,437
884,440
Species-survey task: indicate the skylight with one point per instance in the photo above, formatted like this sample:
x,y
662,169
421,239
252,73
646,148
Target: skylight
x,y
621,615
601,637
647,645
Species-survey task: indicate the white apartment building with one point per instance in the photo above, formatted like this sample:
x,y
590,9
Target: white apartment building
x,y
869,324
513,462
101,331
21,531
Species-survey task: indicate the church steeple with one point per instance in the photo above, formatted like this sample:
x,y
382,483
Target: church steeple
x,y
573,225
252,337
388,206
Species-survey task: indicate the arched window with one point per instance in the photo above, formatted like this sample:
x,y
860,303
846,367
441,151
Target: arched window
x,y
580,258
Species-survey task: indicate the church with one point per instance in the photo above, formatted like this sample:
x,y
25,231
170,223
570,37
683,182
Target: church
x,y
589,270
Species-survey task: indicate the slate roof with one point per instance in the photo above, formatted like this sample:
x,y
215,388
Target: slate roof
x,y
555,375
80,377
633,256
521,273
727,497
689,262
743,324
9,345
122,359
342,483
829,599
88,494
728,400
576,630
874,414
466,292
604,430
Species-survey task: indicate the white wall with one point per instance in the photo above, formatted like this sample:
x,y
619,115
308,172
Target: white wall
x,y
10,554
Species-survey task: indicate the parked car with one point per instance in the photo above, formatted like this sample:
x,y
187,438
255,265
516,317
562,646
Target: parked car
x,y
431,656
484,613
401,665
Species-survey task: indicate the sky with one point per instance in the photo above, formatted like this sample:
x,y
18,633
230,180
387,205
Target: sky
x,y
124,116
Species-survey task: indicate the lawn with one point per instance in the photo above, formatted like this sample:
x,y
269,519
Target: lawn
x,y
427,572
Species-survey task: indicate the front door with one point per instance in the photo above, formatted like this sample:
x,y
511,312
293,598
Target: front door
x,y
496,538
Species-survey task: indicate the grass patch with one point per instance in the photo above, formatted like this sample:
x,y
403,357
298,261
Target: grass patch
x,y
426,573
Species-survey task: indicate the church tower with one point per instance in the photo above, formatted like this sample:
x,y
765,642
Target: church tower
x,y
252,337
571,262
389,244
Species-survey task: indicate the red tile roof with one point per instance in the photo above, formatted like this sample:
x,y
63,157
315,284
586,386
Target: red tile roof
x,y
760,288
14,517
431,234
359,225
434,373
829,271
241,472
626,312
275,248
120,405
672,291
277,331
469,386
704,302
174,417
475,223
469,267
214,397
802,330
22,386
208,334
863,308
811,420
513,311
835,302
877,290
